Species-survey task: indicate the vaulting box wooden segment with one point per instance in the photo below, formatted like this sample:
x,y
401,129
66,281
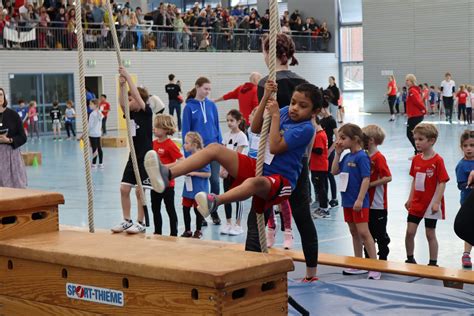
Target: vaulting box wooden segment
x,y
113,141
56,272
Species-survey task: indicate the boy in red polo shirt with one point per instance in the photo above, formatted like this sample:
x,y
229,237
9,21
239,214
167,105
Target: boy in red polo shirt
x,y
105,109
426,195
380,175
319,165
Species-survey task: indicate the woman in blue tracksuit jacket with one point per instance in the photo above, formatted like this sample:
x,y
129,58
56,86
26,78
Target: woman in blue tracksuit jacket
x,y
200,115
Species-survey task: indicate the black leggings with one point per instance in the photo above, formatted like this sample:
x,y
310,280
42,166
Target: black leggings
x,y
187,218
331,179
411,124
391,103
228,207
70,128
156,198
299,202
469,115
378,230
462,110
320,183
464,221
448,107
96,149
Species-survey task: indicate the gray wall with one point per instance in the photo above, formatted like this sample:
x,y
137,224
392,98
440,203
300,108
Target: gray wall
x,y
427,38
225,70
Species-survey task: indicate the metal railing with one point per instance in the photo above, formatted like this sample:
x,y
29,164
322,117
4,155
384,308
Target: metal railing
x,y
146,37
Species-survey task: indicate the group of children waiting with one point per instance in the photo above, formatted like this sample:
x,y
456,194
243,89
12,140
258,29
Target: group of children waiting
x,y
364,174
432,97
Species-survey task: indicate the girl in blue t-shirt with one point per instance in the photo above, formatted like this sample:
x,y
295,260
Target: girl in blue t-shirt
x,y
464,167
196,181
354,179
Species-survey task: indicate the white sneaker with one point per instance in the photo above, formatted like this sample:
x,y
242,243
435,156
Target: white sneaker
x,y
122,227
136,228
236,230
270,237
374,275
101,166
351,271
93,166
225,229
287,239
153,169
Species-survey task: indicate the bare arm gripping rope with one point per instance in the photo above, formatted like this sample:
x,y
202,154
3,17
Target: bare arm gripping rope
x,y
85,127
133,155
274,29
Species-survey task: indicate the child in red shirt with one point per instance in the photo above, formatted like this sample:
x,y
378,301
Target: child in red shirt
x,y
319,165
427,189
380,175
105,109
169,154
462,96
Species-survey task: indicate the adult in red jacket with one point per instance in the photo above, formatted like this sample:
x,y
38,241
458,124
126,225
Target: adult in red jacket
x,y
415,107
246,94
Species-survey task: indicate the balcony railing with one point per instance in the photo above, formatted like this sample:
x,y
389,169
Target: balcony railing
x,y
146,38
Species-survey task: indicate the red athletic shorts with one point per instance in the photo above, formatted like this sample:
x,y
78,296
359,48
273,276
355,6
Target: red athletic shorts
x,y
189,202
280,187
351,216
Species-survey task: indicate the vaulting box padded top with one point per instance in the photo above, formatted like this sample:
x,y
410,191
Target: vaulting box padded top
x,y
24,199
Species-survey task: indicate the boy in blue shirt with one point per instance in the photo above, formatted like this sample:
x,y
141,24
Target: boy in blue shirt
x,y
290,133
464,167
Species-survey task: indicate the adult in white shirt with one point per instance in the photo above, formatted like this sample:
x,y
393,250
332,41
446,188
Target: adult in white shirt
x,y
448,88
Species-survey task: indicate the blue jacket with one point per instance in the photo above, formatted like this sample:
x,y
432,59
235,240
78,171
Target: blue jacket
x,y
202,117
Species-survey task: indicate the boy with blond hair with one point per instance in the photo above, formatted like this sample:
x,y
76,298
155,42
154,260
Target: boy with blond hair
x,y
380,175
426,195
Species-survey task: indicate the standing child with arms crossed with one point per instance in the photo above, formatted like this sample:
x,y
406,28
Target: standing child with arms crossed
x,y
235,140
169,154
354,174
195,181
426,195
464,167
380,175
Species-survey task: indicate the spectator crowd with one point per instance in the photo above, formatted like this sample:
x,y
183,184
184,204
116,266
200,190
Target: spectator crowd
x,y
53,25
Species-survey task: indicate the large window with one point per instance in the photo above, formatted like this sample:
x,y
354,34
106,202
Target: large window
x,y
44,89
351,57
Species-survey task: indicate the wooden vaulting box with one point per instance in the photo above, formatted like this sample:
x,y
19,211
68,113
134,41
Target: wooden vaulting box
x,y
44,271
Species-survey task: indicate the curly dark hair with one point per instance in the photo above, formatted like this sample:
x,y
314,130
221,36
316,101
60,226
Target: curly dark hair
x,y
285,49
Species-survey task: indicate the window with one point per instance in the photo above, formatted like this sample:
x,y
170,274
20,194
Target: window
x,y
24,87
351,44
353,75
58,87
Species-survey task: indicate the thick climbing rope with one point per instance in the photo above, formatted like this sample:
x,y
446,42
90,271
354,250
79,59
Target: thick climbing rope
x,y
133,155
274,30
84,119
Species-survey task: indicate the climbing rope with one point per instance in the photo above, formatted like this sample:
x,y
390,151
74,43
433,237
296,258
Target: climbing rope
x,y
274,30
84,119
127,115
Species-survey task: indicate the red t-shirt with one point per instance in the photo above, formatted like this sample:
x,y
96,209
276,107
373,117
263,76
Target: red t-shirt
x,y
426,94
168,153
393,88
104,108
247,96
462,97
378,170
427,174
320,162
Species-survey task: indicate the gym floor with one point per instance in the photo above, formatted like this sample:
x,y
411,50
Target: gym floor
x,y
62,170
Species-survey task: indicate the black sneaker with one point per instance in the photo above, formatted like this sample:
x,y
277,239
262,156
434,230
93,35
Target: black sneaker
x,y
197,234
187,234
410,261
333,203
216,220
204,223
